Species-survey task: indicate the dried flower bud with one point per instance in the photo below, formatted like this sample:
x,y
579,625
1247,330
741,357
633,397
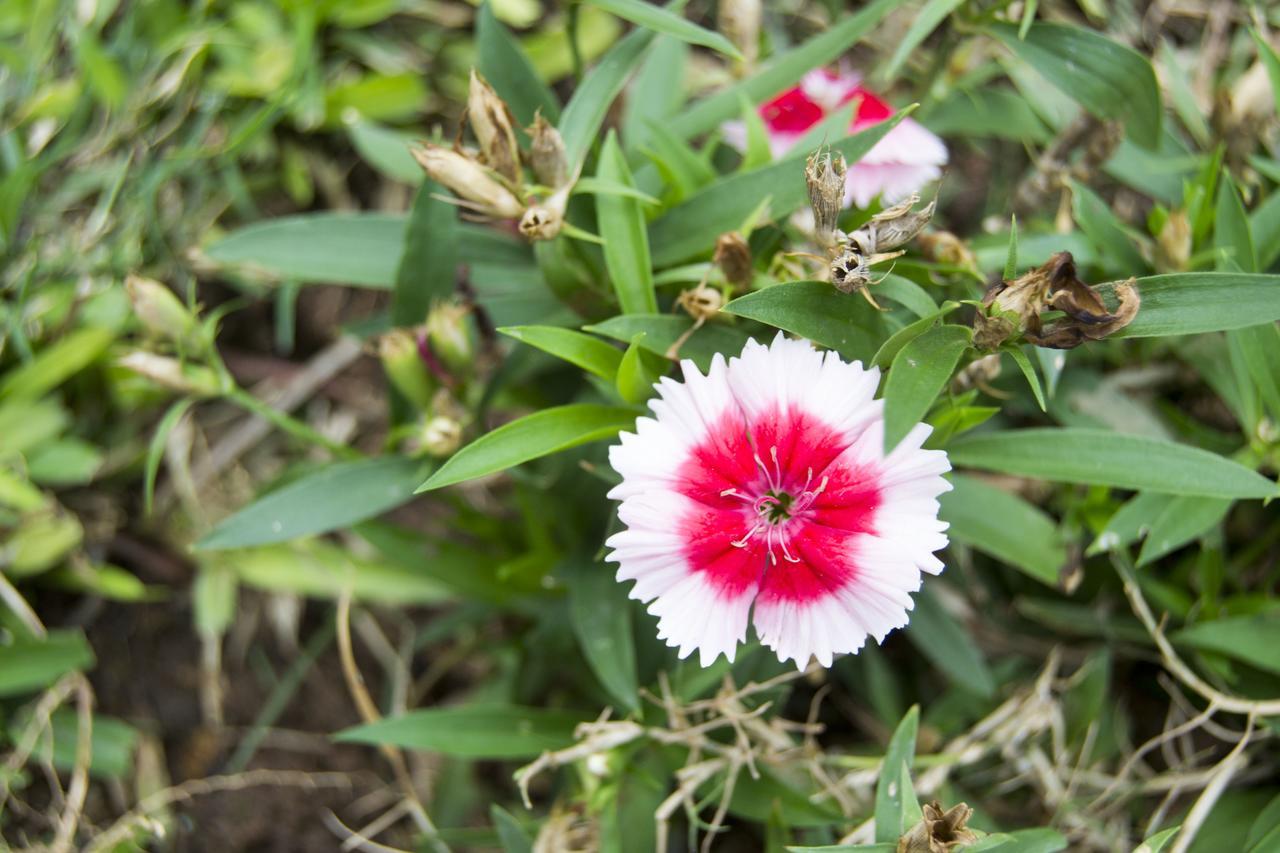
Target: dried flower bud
x,y
472,182
733,256
193,379
849,270
543,221
398,351
490,121
894,226
160,311
938,831
546,153
701,303
441,436
1173,243
739,20
946,248
448,333
1014,308
824,173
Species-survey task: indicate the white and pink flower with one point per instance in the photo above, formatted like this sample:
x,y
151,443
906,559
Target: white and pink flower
x,y
761,492
906,159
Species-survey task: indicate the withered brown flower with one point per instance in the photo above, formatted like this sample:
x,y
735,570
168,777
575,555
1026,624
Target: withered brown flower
x,y
939,831
1015,308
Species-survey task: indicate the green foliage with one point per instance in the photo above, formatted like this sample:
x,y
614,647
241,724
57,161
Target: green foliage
x,y
232,449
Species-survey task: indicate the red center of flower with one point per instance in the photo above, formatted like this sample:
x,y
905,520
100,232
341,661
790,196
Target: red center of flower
x,y
774,507
794,112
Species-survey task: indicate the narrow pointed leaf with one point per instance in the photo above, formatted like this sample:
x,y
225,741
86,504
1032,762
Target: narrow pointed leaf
x,y
584,114
667,22
1105,458
1004,526
591,354
626,242
919,372
533,436
901,751
472,731
504,64
336,496
817,311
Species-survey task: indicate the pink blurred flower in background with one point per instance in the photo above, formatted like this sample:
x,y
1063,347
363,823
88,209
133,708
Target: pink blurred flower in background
x,y
906,159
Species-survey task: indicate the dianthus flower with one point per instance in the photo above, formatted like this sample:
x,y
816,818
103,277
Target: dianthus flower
x,y
761,492
906,159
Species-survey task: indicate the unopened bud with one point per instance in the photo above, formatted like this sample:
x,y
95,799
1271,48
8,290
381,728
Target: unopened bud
x,y
398,351
441,436
491,122
193,379
946,248
824,174
159,310
733,256
544,220
471,181
739,20
1173,243
701,303
546,153
448,332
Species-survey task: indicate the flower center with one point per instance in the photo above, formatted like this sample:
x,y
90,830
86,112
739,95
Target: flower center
x,y
775,508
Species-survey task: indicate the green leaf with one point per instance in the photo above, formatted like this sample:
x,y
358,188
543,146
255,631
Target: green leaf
x,y
1131,522
887,847
931,14
336,496
585,112
1157,842
598,186
1252,639
27,665
758,153
817,311
1231,230
1020,841
358,249
663,330
1258,348
539,434
512,835
770,794
656,92
1105,458
386,150
919,372
428,267
1105,230
691,227
1191,303
1106,78
626,242
509,72
947,645
908,294
473,731
111,747
890,807
319,569
1185,518
1011,257
893,345
781,71
986,112
667,22
601,616
591,354
55,364
1024,364
639,370
1005,526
